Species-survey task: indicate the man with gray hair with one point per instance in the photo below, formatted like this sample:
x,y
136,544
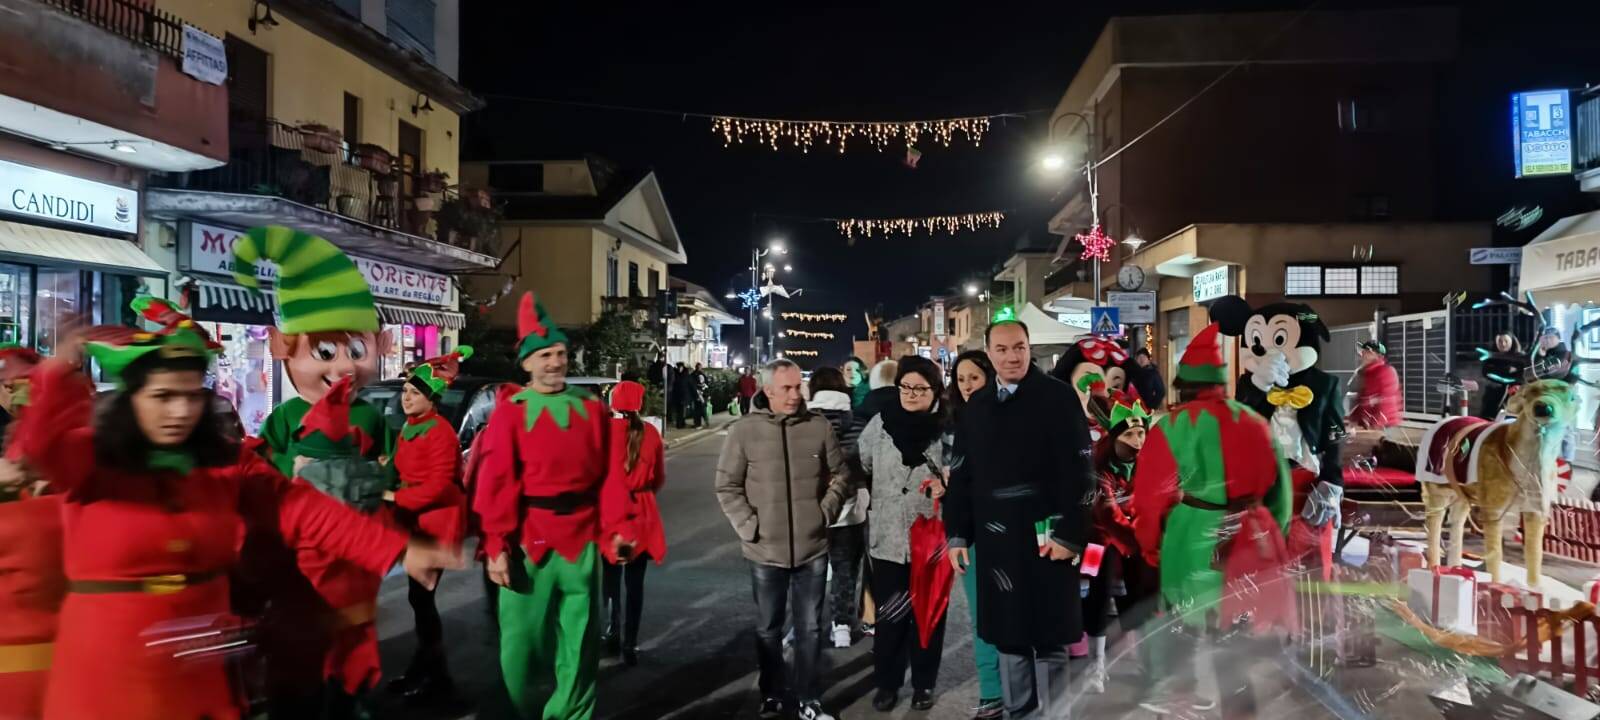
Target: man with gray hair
x,y
782,481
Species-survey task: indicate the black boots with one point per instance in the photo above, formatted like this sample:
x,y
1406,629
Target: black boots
x,y
426,680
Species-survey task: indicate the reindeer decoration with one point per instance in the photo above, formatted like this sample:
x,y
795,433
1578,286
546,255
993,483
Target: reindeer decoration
x,y
1498,468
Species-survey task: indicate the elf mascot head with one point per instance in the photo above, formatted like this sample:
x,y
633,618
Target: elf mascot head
x,y
1094,369
328,325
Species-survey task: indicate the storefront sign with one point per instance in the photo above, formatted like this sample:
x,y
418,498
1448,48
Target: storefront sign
x,y
211,251
1136,308
1211,284
204,59
938,319
1495,255
1541,128
46,195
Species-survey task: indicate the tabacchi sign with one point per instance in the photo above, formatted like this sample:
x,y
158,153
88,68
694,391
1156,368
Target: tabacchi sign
x,y
47,195
211,251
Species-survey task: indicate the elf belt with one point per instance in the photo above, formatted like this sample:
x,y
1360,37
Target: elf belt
x,y
26,658
153,585
360,614
1233,506
565,503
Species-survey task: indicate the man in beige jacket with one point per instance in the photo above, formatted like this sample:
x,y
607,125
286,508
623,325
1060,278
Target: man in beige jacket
x,y
782,481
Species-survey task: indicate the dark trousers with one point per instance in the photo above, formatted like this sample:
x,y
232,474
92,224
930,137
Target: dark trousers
x,y
744,405
777,590
1133,608
845,547
895,643
1033,681
622,590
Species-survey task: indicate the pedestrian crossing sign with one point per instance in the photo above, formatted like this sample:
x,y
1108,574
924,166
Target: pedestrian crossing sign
x,y
1104,321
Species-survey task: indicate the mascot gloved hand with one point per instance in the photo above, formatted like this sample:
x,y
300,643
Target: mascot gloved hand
x,y
1322,505
1271,371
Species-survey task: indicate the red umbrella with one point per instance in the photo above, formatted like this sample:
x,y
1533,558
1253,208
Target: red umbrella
x,y
931,573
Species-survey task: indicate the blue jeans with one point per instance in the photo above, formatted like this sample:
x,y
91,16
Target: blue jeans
x,y
776,590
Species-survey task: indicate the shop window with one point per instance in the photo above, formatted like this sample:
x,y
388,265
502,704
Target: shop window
x,y
16,299
1336,280
58,302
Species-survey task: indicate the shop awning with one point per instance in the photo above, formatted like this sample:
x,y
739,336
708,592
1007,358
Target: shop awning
x,y
51,246
1562,265
403,315
221,302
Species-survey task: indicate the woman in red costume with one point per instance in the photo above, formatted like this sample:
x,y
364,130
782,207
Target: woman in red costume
x,y
637,456
153,501
429,501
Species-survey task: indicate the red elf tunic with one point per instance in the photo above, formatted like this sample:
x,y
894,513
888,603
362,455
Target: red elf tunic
x,y
430,498
631,510
179,535
544,463
31,590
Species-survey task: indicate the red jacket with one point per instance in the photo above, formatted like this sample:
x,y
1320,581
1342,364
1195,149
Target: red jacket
x,y
528,466
134,524
430,497
632,510
32,587
1379,404
747,386
1113,503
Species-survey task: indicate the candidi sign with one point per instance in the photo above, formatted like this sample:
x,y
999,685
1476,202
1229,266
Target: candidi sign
x,y
45,195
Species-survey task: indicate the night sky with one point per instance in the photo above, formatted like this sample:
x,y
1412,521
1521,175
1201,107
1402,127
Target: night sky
x,y
904,61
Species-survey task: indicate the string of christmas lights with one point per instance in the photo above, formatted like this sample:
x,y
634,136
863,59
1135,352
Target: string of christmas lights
x,y
810,335
815,317
803,134
950,224
800,353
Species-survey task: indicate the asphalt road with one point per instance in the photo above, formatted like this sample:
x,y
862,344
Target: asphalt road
x,y
697,638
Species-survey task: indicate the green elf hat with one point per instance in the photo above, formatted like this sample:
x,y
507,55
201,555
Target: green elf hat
x,y
535,328
319,288
1202,362
117,348
435,374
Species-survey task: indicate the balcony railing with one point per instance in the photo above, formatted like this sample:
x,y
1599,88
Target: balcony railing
x,y
147,26
1586,135
362,183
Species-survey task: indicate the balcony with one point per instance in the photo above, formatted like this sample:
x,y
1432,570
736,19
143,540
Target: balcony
x,y
357,197
104,77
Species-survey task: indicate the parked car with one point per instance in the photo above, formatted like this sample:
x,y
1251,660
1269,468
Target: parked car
x,y
466,404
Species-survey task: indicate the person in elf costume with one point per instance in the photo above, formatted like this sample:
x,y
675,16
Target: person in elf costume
x,y
1089,366
1211,500
152,498
16,362
539,499
638,457
429,501
1124,578
321,638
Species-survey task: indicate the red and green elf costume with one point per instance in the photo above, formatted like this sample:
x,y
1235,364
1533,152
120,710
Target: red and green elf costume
x,y
1209,469
544,464
427,458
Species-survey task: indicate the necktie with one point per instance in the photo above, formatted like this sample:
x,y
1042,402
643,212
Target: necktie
x,y
1003,394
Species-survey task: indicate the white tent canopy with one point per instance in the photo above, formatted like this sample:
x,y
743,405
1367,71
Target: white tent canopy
x,y
1562,265
1043,329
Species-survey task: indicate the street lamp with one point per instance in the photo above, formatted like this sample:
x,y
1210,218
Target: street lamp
x,y
972,289
731,295
788,268
1054,158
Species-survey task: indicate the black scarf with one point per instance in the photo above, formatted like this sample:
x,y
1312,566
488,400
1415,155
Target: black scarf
x,y
912,433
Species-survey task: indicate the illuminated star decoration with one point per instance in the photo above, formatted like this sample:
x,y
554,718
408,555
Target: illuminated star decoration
x,y
949,224
1096,244
750,299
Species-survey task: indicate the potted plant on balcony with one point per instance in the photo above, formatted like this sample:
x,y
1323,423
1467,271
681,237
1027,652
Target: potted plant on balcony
x,y
374,158
433,182
465,224
319,137
476,197
388,184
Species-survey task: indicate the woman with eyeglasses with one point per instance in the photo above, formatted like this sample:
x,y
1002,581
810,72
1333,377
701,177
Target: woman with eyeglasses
x,y
973,372
901,450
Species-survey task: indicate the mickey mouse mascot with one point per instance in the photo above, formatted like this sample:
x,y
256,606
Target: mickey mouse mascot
x,y
1279,354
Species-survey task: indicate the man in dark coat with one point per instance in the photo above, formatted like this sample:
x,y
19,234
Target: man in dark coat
x,y
1018,490
1145,377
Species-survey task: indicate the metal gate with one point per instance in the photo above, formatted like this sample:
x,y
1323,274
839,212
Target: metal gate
x,y
1419,350
1338,356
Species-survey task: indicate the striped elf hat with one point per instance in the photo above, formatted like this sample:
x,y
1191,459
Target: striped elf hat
x,y
319,288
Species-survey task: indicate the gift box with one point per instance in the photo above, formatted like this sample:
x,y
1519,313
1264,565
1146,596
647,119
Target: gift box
x,y
1446,596
1409,557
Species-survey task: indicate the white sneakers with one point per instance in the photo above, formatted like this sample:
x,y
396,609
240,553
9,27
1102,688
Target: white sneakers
x,y
841,636
813,711
1096,681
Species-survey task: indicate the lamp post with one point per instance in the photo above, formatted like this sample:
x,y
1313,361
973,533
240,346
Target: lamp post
x,y
756,268
1055,159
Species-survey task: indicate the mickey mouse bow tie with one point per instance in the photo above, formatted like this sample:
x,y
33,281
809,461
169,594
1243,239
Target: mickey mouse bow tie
x,y
1297,397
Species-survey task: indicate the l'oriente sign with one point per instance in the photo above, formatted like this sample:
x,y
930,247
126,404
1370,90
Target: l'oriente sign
x,y
45,195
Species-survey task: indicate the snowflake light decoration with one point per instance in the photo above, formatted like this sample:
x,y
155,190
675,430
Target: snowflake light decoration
x,y
750,299
1096,244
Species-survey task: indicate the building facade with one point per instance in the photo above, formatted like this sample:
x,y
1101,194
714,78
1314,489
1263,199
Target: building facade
x,y
341,119
694,336
1309,174
583,235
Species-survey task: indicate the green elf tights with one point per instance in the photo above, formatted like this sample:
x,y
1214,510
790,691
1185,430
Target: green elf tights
x,y
549,636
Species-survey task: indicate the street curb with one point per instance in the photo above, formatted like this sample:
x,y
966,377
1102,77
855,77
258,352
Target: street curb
x,y
682,440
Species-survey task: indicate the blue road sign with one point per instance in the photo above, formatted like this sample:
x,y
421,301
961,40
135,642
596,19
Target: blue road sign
x,y
1105,321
